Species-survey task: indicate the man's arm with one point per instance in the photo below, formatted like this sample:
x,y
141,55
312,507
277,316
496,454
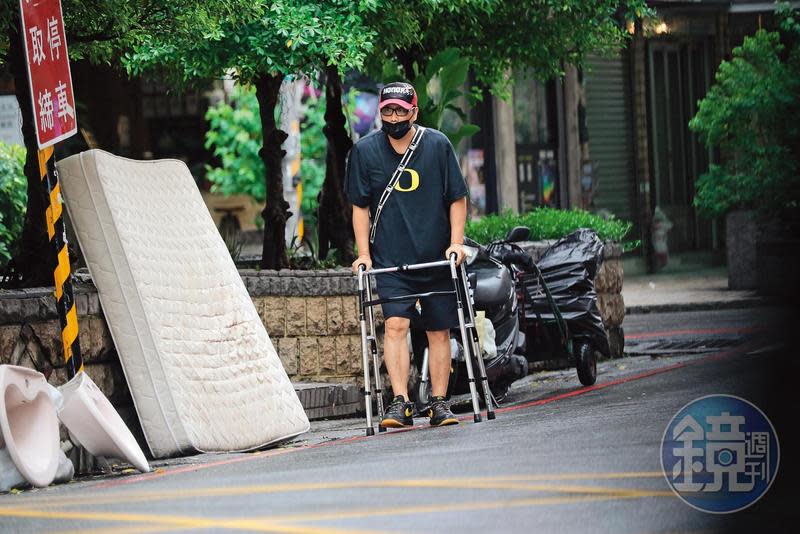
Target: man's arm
x,y
361,231
458,218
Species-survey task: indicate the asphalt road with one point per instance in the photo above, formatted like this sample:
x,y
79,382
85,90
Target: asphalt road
x,y
558,458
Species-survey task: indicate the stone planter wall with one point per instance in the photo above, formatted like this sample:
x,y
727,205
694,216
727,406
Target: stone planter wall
x,y
317,337
311,317
30,335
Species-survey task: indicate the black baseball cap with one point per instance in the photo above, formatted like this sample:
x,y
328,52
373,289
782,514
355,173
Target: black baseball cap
x,y
399,93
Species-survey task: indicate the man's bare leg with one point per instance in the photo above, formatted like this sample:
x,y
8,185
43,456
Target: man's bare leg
x,y
439,364
395,354
439,361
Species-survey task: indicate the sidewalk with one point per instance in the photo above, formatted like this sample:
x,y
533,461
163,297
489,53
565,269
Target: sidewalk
x,y
701,289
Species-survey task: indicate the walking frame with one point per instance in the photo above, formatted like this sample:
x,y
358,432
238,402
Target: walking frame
x,y
467,329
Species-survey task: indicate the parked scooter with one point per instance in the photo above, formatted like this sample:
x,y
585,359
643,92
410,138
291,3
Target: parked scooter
x,y
491,271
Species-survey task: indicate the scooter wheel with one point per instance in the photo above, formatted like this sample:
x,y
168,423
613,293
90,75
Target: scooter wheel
x,y
423,389
586,363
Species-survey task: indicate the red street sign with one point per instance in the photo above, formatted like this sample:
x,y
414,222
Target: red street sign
x,y
49,75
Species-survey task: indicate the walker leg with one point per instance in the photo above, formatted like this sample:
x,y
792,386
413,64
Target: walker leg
x,y
476,410
362,297
373,346
476,350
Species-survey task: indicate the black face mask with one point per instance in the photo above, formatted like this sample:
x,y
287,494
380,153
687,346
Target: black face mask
x,y
396,130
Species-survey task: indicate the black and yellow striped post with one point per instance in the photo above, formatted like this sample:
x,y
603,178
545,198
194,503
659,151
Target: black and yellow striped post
x,y
57,233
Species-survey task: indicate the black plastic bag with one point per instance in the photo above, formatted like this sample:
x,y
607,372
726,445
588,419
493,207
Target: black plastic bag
x,y
568,268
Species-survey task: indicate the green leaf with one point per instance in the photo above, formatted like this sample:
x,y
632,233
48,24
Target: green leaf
x,y
453,76
441,60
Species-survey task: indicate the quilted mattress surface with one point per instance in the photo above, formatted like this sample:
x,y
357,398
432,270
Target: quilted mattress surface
x,y
201,368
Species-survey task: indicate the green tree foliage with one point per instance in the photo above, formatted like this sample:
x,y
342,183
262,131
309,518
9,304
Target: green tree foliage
x,y
288,37
438,90
234,135
439,42
313,147
496,36
99,31
750,114
12,198
282,38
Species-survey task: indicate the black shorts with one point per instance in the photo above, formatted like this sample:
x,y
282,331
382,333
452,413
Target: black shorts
x,y
439,312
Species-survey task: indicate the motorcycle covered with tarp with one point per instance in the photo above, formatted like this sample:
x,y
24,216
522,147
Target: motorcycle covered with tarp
x,y
559,312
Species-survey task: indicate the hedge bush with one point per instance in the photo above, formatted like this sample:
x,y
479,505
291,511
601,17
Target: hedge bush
x,y
13,198
549,223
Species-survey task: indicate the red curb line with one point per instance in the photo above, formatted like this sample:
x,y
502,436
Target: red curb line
x,y
701,331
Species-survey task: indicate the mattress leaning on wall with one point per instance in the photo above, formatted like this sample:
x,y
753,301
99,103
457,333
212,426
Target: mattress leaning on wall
x,y
203,373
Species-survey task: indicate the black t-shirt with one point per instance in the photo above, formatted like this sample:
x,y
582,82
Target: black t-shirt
x,y
414,226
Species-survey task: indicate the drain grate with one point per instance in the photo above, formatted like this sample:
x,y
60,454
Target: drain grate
x,y
679,346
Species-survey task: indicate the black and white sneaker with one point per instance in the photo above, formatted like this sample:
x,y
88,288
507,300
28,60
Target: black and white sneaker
x,y
398,414
440,413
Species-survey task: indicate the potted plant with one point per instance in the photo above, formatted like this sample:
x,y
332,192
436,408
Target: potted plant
x,y
749,114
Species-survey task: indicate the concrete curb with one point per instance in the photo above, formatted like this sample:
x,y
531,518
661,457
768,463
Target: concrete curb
x,y
322,400
753,302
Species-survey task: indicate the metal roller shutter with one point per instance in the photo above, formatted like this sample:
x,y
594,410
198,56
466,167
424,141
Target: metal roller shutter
x,y
608,122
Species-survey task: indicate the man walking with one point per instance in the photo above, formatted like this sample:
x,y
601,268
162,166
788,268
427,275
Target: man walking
x,y
422,220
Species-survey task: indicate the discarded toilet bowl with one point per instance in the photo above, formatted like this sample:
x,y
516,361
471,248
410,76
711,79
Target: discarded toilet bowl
x,y
28,424
96,425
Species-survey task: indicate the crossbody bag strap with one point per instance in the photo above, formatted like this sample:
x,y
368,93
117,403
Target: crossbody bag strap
x,y
412,146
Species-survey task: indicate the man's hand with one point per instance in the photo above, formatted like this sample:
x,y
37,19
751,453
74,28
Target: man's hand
x,y
459,251
364,260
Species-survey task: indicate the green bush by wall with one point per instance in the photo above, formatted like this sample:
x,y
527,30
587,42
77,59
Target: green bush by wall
x,y
549,223
13,198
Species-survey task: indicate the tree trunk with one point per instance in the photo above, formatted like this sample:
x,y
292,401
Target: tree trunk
x,y
406,59
335,215
30,263
276,211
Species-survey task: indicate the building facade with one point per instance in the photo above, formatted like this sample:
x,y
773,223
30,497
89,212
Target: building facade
x,y
613,137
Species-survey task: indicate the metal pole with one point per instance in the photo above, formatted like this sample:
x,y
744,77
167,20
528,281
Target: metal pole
x,y
475,346
373,346
362,297
476,409
56,231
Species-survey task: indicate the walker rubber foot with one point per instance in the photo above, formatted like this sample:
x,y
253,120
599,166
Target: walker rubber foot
x,y
490,416
477,418
370,431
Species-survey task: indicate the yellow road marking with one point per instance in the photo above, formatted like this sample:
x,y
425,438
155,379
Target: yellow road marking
x,y
459,483
281,524
289,523
258,525
450,507
138,529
